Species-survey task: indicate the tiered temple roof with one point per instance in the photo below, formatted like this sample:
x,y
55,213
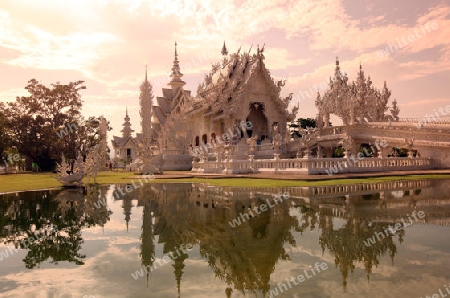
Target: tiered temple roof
x,y
118,142
171,99
228,83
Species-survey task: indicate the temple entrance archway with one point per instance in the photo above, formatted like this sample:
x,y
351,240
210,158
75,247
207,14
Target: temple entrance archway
x,y
260,125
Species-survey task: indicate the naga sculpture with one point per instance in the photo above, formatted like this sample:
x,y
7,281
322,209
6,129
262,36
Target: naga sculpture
x,y
69,177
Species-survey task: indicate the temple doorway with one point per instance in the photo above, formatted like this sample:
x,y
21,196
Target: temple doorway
x,y
260,125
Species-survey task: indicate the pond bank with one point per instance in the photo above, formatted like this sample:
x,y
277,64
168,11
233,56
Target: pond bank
x,y
39,181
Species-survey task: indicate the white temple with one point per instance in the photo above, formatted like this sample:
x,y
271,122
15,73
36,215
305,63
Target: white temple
x,y
126,148
238,123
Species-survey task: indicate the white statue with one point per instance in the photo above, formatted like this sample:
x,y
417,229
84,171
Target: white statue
x,y
68,177
277,139
410,145
93,163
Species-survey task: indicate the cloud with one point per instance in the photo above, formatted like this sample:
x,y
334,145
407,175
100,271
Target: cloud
x,y
280,58
330,27
443,102
38,48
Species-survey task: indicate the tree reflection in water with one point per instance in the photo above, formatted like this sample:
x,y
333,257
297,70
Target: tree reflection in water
x,y
68,210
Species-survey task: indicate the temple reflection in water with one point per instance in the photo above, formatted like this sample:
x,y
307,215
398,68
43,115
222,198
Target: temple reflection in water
x,y
244,257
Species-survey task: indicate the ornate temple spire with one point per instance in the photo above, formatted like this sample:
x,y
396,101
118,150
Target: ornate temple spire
x,y
126,130
176,75
146,104
337,72
318,99
361,72
224,49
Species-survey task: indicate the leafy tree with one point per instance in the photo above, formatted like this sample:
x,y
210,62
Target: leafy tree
x,y
302,123
4,141
398,152
48,123
366,150
88,135
339,152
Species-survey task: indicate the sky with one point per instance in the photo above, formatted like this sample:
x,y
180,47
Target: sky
x,y
108,43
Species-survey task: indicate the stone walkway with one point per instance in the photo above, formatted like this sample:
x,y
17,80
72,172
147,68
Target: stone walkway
x,y
187,174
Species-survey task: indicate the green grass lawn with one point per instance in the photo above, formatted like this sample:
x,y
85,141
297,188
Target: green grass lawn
x,y
256,182
35,181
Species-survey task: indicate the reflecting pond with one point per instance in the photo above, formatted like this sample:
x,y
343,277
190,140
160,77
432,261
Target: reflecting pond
x,y
389,239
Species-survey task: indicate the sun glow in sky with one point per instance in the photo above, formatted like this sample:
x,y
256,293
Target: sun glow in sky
x,y
107,44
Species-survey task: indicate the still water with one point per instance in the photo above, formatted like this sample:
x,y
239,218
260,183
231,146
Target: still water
x,y
388,239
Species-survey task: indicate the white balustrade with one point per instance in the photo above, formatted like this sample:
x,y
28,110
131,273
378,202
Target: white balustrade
x,y
315,166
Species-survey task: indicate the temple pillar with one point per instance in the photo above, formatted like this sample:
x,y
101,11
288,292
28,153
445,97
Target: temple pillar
x,y
352,117
326,120
307,154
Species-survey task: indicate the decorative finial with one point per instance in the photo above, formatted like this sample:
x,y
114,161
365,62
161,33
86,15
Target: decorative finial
x,y
176,73
224,49
146,72
126,111
337,72
176,54
259,52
